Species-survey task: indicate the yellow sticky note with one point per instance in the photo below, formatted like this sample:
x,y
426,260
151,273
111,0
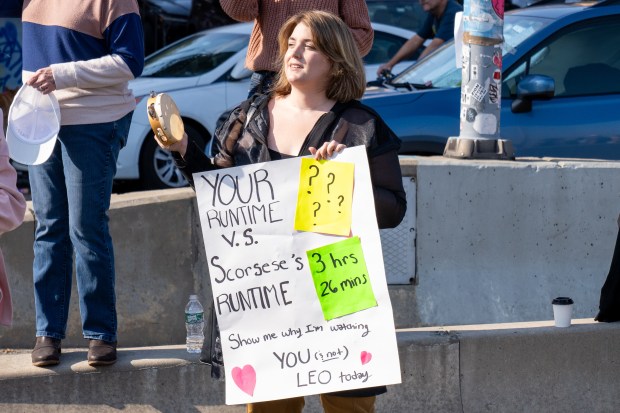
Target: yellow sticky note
x,y
341,278
325,197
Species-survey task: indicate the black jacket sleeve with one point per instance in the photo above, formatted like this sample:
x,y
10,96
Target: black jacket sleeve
x,y
195,160
387,185
225,140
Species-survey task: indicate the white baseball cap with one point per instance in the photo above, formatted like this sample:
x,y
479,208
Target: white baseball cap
x,y
33,125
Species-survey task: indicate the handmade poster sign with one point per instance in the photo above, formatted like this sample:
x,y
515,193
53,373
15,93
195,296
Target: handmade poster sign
x,y
297,276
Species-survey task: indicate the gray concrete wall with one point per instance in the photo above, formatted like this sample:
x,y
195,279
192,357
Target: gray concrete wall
x,y
496,241
544,369
160,260
522,367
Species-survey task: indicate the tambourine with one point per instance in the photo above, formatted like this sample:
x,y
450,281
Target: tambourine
x,y
164,118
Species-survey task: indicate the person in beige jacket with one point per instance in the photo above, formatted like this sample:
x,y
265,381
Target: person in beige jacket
x,y
12,208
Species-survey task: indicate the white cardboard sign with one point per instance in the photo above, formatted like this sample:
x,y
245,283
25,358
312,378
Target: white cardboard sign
x,y
279,339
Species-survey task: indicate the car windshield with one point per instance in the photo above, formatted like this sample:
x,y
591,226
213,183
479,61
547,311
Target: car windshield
x,y
440,70
407,14
194,55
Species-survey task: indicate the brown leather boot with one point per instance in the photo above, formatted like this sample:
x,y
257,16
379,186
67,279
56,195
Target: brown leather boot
x,y
101,353
46,352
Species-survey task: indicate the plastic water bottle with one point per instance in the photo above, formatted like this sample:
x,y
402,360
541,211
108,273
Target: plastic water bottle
x,y
194,323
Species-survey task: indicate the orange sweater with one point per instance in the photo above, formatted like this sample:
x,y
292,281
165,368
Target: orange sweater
x,y
270,15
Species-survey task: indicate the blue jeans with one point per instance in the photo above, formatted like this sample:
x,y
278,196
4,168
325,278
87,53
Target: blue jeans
x,y
71,194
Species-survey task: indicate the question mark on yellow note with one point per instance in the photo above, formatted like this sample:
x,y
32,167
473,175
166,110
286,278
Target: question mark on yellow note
x,y
318,206
313,176
333,177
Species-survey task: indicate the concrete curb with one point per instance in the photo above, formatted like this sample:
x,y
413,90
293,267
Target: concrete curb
x,y
515,367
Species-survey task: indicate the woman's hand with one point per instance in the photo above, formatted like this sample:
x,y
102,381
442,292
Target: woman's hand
x,y
43,79
327,150
180,146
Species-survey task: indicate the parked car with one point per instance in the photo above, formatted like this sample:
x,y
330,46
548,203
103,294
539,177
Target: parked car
x,y
567,51
407,14
165,21
205,74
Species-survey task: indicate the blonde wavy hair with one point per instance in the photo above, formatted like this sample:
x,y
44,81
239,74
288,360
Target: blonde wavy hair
x,y
332,37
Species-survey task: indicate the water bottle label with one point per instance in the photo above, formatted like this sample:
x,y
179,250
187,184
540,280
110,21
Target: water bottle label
x,y
193,318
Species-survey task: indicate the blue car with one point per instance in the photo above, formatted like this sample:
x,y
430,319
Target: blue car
x,y
560,86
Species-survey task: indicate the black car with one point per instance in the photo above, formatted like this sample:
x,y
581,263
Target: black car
x,y
166,21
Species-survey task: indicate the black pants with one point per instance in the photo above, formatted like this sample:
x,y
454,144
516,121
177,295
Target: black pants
x,y
609,306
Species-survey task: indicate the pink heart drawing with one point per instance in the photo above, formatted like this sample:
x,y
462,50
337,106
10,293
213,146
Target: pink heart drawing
x,y
365,357
245,378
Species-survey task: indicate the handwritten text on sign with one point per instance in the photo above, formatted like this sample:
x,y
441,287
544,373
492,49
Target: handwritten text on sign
x,y
280,338
341,278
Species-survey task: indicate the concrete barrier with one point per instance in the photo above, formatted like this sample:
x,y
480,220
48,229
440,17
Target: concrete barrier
x,y
518,367
158,262
495,242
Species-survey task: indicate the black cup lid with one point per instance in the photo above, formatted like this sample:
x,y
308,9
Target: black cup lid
x,y
562,301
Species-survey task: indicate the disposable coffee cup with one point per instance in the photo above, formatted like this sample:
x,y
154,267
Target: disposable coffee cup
x,y
562,311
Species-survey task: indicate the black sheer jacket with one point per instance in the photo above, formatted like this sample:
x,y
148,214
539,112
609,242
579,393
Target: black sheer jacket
x,y
242,140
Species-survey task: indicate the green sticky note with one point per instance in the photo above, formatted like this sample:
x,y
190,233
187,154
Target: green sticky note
x,y
340,278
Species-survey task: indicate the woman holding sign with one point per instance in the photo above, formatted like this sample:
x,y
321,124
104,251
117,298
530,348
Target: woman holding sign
x,y
312,110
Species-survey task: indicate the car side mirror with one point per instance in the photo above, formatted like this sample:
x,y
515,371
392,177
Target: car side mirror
x,y
532,87
240,72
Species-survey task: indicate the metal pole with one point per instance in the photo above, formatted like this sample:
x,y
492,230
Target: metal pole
x,y
481,85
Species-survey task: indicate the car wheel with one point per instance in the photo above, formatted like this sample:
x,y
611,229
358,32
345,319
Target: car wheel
x,y
157,169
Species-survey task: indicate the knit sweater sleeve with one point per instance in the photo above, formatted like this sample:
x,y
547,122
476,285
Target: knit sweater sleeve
x,y
355,14
90,74
241,10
